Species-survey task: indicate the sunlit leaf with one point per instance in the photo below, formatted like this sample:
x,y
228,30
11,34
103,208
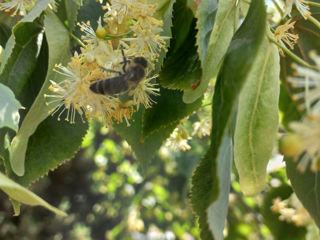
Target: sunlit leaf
x,y
216,45
34,13
217,212
9,107
23,195
257,119
238,61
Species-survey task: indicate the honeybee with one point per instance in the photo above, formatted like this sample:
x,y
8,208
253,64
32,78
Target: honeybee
x,y
133,71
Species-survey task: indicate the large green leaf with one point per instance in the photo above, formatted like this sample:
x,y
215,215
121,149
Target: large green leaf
x,y
169,108
206,13
236,66
23,59
306,186
217,211
23,195
257,119
52,144
220,37
34,13
181,23
5,33
181,69
9,108
58,42
288,108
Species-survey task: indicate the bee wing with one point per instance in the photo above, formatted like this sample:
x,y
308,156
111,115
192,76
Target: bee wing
x,y
110,86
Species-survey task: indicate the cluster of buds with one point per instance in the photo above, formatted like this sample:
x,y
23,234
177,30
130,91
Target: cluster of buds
x,y
96,82
291,210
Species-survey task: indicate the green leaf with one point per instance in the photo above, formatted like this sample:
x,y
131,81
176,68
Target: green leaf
x,y
23,59
182,23
34,13
181,68
206,13
9,108
306,186
281,230
218,42
5,33
53,143
169,108
165,14
288,108
145,150
23,195
236,66
217,211
257,120
58,41
72,8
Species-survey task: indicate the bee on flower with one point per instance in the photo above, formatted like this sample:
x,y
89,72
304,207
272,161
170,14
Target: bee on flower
x,y
113,65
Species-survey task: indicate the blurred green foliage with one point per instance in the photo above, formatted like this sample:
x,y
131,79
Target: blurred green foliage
x,y
107,197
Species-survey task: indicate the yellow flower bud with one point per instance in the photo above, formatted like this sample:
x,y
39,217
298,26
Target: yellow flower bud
x,y
290,145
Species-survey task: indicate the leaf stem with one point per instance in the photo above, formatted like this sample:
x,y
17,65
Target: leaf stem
x,y
314,21
276,4
77,39
313,3
293,56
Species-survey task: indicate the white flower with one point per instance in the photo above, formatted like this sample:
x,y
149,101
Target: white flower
x,y
291,210
179,139
142,93
202,128
309,80
19,6
309,132
282,34
301,5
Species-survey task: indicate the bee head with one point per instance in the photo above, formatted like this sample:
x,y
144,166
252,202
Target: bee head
x,y
141,60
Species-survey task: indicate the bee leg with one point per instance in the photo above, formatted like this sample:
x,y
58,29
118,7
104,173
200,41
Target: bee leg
x,y
125,61
110,70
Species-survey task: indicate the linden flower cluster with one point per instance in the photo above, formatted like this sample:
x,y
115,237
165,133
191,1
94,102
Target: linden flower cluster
x,y
291,210
127,30
179,139
304,143
17,6
283,36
